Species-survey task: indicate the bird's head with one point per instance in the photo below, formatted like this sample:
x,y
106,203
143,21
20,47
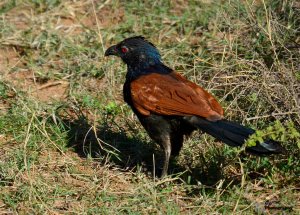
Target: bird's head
x,y
135,52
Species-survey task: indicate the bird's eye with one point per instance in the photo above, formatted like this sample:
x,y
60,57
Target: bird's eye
x,y
124,49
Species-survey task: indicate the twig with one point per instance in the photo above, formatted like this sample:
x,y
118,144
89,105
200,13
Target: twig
x,y
97,21
270,115
51,84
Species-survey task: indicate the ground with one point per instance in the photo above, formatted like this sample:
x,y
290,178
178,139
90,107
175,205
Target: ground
x,y
69,144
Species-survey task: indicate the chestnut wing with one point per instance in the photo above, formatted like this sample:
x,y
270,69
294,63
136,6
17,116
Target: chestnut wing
x,y
172,94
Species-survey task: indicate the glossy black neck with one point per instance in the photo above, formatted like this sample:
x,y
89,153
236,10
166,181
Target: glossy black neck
x,y
135,71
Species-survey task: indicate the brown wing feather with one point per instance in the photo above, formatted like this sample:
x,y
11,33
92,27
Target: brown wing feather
x,y
172,94
212,101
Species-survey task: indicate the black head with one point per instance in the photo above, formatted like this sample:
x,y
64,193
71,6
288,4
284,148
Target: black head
x,y
135,51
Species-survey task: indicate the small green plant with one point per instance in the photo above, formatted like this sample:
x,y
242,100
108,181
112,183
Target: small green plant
x,y
43,5
284,133
3,91
91,102
7,6
112,109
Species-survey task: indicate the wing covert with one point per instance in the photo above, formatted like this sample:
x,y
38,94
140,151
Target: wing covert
x,y
172,94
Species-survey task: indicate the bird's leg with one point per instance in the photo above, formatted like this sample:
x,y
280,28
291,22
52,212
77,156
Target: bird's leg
x,y
167,148
159,129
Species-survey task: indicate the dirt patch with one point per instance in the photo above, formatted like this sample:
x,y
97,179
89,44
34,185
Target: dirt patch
x,y
4,106
95,84
68,25
52,90
75,21
9,58
46,92
19,17
106,17
179,6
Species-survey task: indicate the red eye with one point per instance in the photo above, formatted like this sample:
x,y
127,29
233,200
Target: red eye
x,y
124,49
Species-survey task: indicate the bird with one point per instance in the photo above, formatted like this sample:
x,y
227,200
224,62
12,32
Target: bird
x,y
170,107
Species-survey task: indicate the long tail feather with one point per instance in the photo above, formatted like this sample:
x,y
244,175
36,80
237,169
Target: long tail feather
x,y
234,134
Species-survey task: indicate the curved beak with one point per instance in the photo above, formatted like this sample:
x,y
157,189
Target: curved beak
x,y
111,51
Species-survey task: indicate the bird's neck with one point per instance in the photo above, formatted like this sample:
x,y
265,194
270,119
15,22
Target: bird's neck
x,y
137,70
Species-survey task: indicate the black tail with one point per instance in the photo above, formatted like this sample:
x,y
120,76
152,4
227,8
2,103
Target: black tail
x,y
234,134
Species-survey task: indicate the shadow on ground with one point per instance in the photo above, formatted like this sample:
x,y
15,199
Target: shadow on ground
x,y
130,153
127,153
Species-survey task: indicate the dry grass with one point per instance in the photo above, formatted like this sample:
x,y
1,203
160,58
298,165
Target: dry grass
x,y
69,144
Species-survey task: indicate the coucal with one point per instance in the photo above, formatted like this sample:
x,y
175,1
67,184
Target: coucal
x,y
170,107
